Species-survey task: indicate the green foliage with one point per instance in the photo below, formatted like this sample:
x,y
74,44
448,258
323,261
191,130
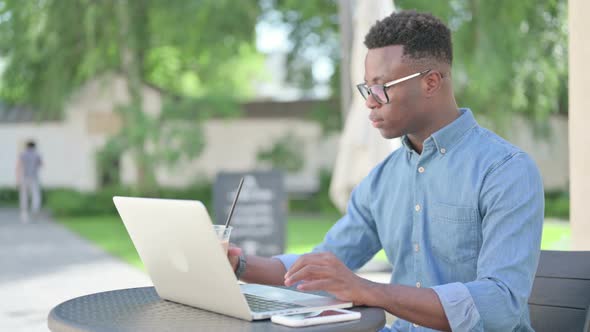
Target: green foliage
x,y
314,32
318,202
508,56
286,154
108,161
188,48
44,53
72,203
328,116
196,49
175,134
557,205
68,202
8,196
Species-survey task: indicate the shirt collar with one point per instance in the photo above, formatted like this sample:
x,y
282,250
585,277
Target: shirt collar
x,y
448,136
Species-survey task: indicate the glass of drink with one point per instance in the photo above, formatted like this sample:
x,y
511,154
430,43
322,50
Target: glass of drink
x,y
223,234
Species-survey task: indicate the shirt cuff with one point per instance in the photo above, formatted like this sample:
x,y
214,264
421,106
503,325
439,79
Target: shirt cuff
x,y
288,260
459,307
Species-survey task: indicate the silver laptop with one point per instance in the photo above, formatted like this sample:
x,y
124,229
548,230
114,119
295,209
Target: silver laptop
x,y
177,244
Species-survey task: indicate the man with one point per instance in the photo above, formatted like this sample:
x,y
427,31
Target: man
x,y
27,178
457,209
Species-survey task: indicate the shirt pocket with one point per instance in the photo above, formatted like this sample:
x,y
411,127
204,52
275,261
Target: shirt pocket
x,y
453,233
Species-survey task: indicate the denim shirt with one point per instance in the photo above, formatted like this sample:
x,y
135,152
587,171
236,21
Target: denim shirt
x,y
463,218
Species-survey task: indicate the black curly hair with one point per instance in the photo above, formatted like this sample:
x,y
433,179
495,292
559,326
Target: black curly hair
x,y
423,36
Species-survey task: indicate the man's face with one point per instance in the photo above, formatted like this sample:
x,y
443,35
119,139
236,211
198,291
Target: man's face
x,y
401,115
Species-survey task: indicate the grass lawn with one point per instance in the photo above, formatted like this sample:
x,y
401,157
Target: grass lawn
x,y
303,233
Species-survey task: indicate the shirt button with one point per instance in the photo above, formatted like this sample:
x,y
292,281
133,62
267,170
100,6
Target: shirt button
x,y
417,207
421,169
416,247
443,150
418,284
415,325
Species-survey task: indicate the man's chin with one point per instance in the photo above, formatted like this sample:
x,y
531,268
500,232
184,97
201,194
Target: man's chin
x,y
389,134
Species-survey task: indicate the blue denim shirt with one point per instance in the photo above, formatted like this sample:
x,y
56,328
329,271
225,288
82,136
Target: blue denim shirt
x,y
463,218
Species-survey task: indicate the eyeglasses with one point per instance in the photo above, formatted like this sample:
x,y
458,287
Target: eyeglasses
x,y
379,91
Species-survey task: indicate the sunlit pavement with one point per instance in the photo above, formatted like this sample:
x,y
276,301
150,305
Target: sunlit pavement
x,y
44,264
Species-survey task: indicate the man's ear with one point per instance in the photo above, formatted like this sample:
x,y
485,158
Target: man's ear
x,y
432,83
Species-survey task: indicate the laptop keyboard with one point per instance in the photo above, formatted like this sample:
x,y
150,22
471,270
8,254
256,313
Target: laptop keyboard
x,y
261,304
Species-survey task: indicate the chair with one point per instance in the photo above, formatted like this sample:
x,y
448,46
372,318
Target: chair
x,y
560,299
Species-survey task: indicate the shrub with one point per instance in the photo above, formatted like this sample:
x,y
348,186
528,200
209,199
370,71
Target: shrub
x,y
8,196
318,202
68,202
557,204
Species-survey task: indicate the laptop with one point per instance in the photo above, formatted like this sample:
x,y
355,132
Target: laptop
x,y
183,257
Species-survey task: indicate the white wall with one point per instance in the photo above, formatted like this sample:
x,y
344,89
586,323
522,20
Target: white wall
x,y
233,145
69,148
64,150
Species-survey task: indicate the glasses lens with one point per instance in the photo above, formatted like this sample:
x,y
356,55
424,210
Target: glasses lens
x,y
363,90
378,92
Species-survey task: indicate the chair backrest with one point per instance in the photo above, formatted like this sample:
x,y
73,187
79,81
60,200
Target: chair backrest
x,y
560,298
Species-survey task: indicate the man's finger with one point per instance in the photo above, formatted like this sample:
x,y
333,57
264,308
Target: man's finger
x,y
234,251
309,272
304,260
314,285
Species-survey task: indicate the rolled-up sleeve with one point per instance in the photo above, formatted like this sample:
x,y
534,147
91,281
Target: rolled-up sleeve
x,y
353,239
511,205
287,259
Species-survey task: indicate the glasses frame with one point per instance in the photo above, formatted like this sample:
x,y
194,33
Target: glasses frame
x,y
363,87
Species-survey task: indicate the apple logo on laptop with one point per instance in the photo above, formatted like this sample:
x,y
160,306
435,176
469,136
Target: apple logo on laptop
x,y
178,260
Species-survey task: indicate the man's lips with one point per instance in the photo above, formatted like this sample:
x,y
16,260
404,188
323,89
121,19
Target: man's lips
x,y
375,121
373,118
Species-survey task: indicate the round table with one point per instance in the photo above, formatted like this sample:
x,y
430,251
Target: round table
x,y
141,309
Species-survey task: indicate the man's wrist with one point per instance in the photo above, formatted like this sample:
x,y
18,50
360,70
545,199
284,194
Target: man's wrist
x,y
241,267
372,293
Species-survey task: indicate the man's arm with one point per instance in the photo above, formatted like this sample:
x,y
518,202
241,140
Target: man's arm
x,y
259,270
512,205
354,236
419,305
324,271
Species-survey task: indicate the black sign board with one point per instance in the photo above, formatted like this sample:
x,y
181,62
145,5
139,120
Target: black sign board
x,y
260,214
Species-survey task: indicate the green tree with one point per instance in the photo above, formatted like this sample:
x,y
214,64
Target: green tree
x,y
197,52
510,57
286,153
313,32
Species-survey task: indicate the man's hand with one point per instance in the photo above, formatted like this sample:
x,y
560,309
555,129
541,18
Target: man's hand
x,y
233,254
324,271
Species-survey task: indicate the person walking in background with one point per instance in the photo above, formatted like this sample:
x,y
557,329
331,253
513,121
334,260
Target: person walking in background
x,y
27,178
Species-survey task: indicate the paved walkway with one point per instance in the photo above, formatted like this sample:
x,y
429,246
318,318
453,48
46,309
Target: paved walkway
x,y
44,264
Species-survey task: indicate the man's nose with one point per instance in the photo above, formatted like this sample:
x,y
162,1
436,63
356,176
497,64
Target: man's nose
x,y
371,103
